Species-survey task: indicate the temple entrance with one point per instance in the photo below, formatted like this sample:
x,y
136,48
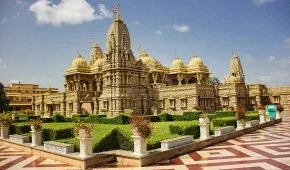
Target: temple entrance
x,y
87,108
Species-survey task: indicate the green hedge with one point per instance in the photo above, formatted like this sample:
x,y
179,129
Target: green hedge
x,y
46,119
177,118
225,121
58,118
252,116
225,114
120,119
19,128
32,117
185,129
164,117
54,134
195,115
211,116
95,118
77,117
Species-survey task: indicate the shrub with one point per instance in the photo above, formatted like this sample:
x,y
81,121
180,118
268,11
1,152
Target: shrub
x,y
77,117
252,116
46,119
58,118
154,118
19,128
240,112
36,123
225,114
67,119
192,115
211,116
49,134
177,117
165,117
29,117
122,119
95,118
280,108
185,129
142,125
225,121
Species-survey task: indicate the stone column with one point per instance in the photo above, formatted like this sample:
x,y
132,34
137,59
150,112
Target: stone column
x,y
179,78
4,131
86,144
278,115
262,116
140,146
240,125
154,77
204,128
98,85
36,138
91,85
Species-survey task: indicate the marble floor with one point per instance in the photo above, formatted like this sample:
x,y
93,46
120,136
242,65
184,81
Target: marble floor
x,y
268,148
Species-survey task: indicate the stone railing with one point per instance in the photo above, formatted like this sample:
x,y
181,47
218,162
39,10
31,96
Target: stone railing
x,y
19,138
59,147
176,142
224,130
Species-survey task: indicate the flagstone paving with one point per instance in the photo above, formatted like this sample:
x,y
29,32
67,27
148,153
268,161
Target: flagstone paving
x,y
268,148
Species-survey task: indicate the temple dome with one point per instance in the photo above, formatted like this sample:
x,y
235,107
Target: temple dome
x,y
98,65
177,63
196,65
150,63
79,64
177,66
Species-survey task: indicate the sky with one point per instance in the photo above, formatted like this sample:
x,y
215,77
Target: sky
x,y
40,39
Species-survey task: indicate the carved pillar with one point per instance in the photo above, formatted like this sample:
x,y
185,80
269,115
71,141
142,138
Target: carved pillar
x,y
96,105
258,100
179,78
91,85
77,84
154,77
198,79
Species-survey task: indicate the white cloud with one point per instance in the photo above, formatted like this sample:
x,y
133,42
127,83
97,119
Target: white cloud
x,y
67,12
14,81
249,58
260,2
158,32
3,21
18,1
181,28
271,58
136,23
286,43
284,62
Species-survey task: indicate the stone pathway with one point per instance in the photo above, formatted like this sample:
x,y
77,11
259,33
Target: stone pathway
x,y
268,148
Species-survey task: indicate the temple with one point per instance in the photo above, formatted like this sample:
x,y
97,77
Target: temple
x,y
117,80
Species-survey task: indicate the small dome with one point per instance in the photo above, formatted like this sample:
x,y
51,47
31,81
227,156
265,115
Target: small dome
x,y
98,64
150,62
177,63
195,62
79,62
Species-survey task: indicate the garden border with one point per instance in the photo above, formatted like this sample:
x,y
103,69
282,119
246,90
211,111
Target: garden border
x,y
126,157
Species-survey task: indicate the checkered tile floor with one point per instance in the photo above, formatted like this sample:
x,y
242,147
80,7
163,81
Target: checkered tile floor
x,y
268,148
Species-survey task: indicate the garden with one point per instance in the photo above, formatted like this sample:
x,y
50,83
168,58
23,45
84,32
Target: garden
x,y
116,133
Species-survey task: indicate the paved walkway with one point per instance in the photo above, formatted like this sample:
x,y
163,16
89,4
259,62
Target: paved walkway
x,y
268,148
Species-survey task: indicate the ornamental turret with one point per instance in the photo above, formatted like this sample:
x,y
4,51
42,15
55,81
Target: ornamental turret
x,y
236,73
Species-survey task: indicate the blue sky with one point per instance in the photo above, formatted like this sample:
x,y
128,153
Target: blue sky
x,y
39,39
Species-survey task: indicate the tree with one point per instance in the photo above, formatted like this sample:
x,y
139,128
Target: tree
x,y
214,81
4,105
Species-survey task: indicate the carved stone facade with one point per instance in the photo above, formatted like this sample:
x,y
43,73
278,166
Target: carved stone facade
x,y
116,80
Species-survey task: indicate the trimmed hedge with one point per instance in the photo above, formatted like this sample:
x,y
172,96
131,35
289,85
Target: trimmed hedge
x,y
195,115
164,117
58,118
120,119
225,114
19,128
46,119
177,118
54,134
77,117
225,121
211,116
185,129
95,118
32,117
252,116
